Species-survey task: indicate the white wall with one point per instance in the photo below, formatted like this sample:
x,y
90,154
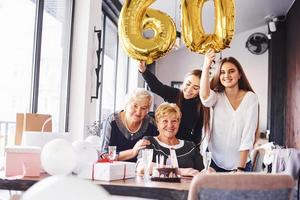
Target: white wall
x,y
175,65
82,110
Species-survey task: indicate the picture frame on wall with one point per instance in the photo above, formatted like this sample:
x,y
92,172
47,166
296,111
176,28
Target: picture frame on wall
x,y
176,84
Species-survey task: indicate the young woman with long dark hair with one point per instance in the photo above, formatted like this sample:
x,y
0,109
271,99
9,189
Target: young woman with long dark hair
x,y
235,113
194,115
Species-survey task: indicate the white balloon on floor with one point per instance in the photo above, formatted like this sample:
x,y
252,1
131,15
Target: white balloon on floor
x,y
61,187
58,157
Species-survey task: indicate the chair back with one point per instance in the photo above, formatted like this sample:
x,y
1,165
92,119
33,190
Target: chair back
x,y
239,186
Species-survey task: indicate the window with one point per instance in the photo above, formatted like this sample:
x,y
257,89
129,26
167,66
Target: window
x,y
109,68
119,73
54,64
34,61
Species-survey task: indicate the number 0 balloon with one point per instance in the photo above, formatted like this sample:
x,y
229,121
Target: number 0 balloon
x,y
193,33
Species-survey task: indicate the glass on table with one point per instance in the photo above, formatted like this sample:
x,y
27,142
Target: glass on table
x,y
112,153
206,159
147,156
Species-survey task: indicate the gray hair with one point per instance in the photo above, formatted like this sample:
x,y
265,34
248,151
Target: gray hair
x,y
138,94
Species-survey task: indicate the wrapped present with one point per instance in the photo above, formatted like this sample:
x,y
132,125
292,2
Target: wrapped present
x,y
22,161
108,171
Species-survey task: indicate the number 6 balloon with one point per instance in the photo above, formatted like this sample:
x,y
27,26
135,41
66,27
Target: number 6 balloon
x,y
135,18
192,30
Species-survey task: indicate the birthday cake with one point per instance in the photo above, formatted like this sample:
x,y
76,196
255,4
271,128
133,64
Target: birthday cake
x,y
165,174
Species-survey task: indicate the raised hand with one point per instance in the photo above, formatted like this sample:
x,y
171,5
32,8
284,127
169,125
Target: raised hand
x,y
142,66
188,171
209,58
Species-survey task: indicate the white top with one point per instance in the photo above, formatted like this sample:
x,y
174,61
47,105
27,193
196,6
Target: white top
x,y
177,146
232,130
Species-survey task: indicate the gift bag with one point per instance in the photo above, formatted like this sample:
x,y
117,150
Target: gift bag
x,y
31,122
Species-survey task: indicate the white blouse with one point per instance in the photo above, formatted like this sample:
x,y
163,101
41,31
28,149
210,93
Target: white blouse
x,y
232,130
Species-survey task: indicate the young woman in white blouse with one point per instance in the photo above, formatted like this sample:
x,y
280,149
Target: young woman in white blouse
x,y
235,114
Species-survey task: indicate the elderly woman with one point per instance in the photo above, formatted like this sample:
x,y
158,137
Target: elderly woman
x,y
126,128
167,118
195,116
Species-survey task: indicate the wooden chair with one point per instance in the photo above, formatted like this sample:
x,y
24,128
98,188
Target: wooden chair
x,y
31,122
239,186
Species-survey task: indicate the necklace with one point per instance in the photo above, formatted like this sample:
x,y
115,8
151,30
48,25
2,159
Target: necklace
x,y
126,125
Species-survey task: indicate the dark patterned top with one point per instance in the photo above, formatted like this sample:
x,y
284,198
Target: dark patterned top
x,y
188,155
114,133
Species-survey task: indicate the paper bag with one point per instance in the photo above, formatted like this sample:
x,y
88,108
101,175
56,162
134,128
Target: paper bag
x,y
31,122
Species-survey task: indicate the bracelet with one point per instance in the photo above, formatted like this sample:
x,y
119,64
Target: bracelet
x,y
241,168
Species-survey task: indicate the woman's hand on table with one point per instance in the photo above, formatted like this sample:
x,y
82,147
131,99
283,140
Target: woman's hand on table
x,y
188,172
208,171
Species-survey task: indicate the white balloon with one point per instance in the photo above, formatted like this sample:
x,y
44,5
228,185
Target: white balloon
x,y
58,157
94,140
61,187
86,154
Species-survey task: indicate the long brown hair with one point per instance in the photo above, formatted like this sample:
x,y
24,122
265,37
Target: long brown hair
x,y
243,82
200,107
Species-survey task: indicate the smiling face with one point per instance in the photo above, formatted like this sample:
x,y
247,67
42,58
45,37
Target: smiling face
x,y
168,126
137,109
167,116
229,75
190,87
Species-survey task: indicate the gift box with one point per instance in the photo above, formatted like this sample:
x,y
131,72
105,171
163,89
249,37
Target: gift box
x,y
22,160
108,171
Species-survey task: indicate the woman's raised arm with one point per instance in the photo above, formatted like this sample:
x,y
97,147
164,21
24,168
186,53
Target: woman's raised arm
x,y
204,81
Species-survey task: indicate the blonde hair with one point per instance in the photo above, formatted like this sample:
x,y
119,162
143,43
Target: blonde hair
x,y
165,109
139,94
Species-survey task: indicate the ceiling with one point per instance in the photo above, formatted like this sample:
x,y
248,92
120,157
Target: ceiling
x,y
249,13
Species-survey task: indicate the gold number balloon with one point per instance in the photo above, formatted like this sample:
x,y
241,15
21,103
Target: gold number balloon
x,y
193,33
135,18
